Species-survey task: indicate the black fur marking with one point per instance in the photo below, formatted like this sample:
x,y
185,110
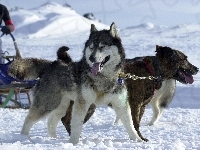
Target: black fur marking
x,y
63,55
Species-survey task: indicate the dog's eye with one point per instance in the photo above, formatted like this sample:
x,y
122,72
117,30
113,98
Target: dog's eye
x,y
91,46
185,57
101,46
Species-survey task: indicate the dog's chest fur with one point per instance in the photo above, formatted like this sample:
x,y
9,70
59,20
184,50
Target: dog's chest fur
x,y
101,90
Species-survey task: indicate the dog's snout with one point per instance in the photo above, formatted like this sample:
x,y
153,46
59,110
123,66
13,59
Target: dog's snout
x,y
194,70
92,58
197,69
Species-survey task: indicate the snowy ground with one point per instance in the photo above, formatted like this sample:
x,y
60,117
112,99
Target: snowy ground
x,y
178,128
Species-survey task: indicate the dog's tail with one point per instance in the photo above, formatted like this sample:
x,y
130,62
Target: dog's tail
x,y
28,69
63,55
32,68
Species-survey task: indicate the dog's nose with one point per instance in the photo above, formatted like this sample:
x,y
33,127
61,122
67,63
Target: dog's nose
x,y
92,58
195,70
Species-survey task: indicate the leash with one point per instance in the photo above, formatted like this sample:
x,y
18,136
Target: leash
x,y
134,77
122,76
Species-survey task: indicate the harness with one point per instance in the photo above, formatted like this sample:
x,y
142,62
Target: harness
x,y
153,70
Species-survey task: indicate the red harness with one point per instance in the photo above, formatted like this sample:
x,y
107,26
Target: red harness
x,y
153,74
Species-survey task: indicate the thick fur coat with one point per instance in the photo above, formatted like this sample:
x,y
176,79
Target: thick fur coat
x,y
92,80
167,66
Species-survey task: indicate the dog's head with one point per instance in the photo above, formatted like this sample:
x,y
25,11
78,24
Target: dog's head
x,y
104,50
174,64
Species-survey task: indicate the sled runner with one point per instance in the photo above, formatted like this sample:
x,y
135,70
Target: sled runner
x,y
11,87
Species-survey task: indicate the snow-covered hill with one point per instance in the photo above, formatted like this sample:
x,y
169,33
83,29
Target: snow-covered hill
x,y
50,19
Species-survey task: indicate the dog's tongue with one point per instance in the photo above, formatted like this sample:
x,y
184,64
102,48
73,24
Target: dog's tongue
x,y
188,78
97,67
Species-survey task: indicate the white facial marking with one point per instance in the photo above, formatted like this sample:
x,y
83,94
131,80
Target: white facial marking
x,y
101,53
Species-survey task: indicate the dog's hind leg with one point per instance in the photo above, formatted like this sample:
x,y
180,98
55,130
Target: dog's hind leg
x,y
162,99
55,116
158,109
66,120
90,112
33,117
156,114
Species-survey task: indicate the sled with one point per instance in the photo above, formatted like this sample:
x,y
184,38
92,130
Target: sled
x,y
12,89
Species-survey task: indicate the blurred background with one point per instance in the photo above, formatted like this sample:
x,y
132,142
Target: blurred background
x,y
127,12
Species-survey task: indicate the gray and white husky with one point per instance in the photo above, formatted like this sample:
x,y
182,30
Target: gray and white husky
x,y
92,80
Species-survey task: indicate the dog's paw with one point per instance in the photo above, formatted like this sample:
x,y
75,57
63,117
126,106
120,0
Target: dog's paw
x,y
117,122
151,124
144,139
54,136
73,141
139,140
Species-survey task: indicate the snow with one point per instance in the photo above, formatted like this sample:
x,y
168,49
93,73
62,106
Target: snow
x,y
42,21
176,130
38,35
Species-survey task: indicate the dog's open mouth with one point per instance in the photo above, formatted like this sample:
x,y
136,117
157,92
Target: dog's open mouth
x,y
98,66
188,78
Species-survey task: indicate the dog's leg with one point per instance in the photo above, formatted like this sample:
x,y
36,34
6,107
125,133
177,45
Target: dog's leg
x,y
79,112
143,106
55,117
124,113
158,108
162,99
117,120
66,120
135,112
142,109
90,112
33,117
156,114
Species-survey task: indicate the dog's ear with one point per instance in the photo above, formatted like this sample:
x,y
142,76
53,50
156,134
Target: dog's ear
x,y
159,51
113,31
93,28
164,51
158,47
